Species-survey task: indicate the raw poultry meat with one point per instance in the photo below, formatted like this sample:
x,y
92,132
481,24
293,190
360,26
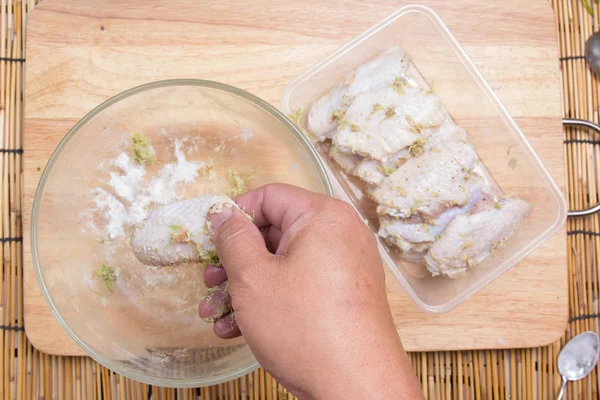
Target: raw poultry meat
x,y
386,126
431,183
374,171
176,232
347,161
417,235
372,128
377,73
469,239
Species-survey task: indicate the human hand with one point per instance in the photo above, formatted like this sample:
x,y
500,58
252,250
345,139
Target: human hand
x,y
309,295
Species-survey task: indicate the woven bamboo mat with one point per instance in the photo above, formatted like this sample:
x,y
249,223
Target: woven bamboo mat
x,y
502,374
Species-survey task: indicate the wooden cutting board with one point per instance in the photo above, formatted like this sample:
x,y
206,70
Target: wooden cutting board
x,y
79,53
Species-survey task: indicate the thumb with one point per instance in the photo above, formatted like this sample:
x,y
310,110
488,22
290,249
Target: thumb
x,y
237,240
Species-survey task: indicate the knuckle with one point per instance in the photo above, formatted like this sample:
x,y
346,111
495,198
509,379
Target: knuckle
x,y
344,209
230,234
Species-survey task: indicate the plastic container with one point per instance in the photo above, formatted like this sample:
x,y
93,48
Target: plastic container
x,y
473,105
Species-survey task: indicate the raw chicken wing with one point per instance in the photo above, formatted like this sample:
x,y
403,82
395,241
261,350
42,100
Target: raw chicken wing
x,y
429,184
376,73
176,232
469,239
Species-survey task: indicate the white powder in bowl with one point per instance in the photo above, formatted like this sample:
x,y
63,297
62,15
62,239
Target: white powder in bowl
x,y
131,196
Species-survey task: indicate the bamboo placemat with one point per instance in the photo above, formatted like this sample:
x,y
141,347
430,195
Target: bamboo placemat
x,y
501,374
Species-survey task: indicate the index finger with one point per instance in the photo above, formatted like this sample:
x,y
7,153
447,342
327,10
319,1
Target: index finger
x,y
279,204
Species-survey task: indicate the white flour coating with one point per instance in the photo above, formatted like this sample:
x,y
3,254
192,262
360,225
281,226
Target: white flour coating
x,y
126,182
131,197
245,135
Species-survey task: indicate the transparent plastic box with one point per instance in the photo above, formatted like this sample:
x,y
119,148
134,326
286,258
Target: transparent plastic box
x,y
501,145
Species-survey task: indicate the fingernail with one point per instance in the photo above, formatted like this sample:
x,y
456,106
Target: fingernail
x,y
218,215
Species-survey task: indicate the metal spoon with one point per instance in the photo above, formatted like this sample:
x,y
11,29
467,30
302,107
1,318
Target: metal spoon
x,y
578,358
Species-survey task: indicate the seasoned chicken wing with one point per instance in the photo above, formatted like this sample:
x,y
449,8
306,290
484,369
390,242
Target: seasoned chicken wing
x,y
388,128
415,234
321,116
347,161
438,137
373,171
376,73
469,239
429,184
421,108
372,128
176,232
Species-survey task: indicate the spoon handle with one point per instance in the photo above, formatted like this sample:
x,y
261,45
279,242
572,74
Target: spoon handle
x,y
562,388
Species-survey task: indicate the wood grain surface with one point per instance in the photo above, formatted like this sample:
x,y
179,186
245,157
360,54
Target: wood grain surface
x,y
80,53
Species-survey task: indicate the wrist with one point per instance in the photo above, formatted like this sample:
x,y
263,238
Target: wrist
x,y
379,371
364,383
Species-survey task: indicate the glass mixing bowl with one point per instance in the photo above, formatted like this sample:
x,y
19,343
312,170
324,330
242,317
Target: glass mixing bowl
x,y
144,323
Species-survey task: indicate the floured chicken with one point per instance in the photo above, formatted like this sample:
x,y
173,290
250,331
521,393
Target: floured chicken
x,y
386,126
377,73
429,184
177,232
469,239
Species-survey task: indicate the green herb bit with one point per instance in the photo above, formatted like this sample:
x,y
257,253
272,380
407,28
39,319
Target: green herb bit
x,y
220,146
376,108
349,80
417,148
437,237
466,245
38,169
495,246
512,163
385,169
238,181
337,115
179,234
211,257
389,112
468,173
401,191
142,152
398,85
414,125
206,169
588,6
95,292
346,101
498,206
107,275
296,117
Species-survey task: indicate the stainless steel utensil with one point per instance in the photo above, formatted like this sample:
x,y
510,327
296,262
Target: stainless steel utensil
x,y
578,358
